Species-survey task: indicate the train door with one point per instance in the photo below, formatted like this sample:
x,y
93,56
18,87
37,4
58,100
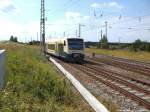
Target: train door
x,y
56,49
60,49
65,46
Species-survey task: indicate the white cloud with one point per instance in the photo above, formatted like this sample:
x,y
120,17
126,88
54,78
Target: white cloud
x,y
69,24
115,5
75,17
72,15
95,5
107,5
7,6
33,27
86,17
8,28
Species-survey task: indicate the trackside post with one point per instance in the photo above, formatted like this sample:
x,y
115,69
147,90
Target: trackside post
x,y
2,69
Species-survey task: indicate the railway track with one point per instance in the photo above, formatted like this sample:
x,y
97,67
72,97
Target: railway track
x,y
141,69
135,62
123,75
136,93
115,81
118,78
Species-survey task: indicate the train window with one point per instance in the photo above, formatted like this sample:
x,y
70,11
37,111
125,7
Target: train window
x,y
51,46
75,44
64,43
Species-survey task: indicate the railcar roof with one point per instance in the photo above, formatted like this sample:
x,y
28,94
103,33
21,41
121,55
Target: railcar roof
x,y
65,38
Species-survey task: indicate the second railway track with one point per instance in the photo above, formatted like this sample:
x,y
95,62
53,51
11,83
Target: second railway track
x,y
124,64
124,75
136,93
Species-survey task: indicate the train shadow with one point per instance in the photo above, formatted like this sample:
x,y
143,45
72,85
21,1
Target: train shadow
x,y
64,60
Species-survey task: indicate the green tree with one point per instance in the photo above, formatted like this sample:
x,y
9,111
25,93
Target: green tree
x,y
99,44
148,47
13,39
143,45
136,45
104,42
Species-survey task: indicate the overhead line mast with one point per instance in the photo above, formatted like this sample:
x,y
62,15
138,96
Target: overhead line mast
x,y
42,27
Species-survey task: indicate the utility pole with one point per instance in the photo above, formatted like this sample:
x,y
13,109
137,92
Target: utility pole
x,y
101,34
64,34
37,35
106,27
119,39
80,30
42,26
25,39
76,33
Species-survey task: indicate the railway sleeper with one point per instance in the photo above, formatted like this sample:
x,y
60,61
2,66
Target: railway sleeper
x,y
141,101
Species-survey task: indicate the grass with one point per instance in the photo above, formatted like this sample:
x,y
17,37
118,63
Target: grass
x,y
33,84
141,56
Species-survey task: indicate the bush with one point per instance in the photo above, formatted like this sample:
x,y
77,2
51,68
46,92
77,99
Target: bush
x,y
103,43
140,45
32,84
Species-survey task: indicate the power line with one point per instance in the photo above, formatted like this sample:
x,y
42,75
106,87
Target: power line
x,y
118,22
106,28
132,28
110,25
128,20
53,24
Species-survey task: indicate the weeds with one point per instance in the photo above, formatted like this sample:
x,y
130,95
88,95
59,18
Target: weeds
x,y
32,84
141,55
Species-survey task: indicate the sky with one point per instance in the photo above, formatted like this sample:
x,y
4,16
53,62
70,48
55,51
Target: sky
x,y
127,20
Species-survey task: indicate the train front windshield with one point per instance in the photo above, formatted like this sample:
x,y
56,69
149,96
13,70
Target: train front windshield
x,y
75,44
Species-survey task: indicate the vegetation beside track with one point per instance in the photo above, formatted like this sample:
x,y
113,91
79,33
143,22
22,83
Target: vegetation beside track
x,y
141,55
33,85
